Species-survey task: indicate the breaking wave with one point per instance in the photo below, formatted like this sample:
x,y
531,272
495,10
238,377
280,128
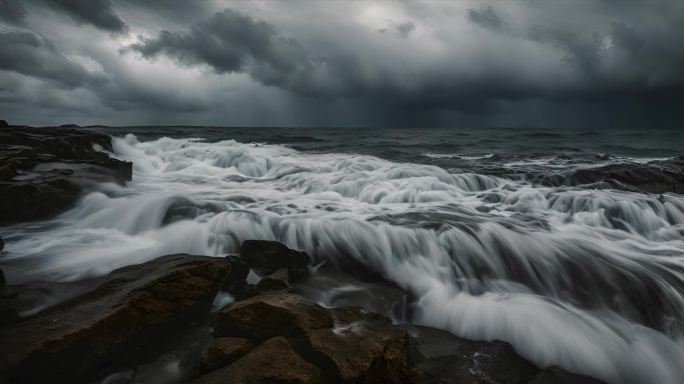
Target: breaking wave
x,y
588,280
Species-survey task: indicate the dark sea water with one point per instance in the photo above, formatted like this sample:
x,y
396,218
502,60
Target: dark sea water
x,y
585,279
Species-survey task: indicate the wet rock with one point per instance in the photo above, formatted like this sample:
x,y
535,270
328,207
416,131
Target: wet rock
x,y
238,274
135,308
266,257
349,345
556,375
362,349
272,314
8,313
274,361
654,177
440,357
223,352
43,171
2,246
271,284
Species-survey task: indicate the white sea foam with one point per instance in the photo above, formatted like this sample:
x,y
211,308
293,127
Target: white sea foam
x,y
587,280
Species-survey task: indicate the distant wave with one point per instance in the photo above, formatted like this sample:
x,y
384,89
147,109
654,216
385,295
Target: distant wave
x,y
588,280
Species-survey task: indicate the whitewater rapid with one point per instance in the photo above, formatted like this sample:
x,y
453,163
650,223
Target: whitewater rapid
x,y
588,280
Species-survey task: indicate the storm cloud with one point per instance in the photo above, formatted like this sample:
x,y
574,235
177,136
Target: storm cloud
x,y
96,12
231,42
345,63
32,55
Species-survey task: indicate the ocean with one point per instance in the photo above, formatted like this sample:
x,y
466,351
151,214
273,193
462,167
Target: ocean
x,y
455,229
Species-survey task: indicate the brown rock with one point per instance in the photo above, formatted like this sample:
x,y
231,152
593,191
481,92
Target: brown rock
x,y
347,344
272,314
274,361
136,307
363,350
223,352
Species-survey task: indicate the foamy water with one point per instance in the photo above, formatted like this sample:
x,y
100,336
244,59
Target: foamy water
x,y
588,280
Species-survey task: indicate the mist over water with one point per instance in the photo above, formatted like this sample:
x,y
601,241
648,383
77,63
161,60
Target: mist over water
x,y
588,280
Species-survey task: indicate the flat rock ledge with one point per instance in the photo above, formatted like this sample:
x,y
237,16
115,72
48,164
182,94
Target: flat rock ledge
x,y
43,171
270,334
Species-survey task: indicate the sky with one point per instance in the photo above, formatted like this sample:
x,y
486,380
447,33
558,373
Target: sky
x,y
327,63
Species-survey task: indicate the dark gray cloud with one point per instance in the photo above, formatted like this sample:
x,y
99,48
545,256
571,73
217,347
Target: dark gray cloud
x,y
12,11
232,42
96,12
486,17
300,62
33,55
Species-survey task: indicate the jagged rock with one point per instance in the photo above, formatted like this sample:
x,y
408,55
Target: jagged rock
x,y
347,344
272,314
136,306
266,257
43,171
654,177
362,349
439,357
223,352
274,361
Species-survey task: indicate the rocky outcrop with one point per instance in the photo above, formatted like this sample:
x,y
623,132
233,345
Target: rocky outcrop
x,y
266,257
269,335
43,171
347,344
653,177
76,340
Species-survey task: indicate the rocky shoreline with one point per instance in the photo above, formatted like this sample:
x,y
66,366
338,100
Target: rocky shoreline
x,y
121,329
44,171
184,318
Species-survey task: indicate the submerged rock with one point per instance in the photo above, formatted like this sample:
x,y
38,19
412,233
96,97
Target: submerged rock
x,y
654,177
554,375
137,305
274,361
266,257
44,170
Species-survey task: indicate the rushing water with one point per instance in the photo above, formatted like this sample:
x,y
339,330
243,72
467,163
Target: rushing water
x,y
588,280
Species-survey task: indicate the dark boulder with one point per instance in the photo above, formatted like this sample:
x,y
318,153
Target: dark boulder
x,y
223,352
2,245
274,361
136,307
3,124
266,257
349,345
440,357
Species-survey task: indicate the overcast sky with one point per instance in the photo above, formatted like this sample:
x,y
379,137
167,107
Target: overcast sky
x,y
540,63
